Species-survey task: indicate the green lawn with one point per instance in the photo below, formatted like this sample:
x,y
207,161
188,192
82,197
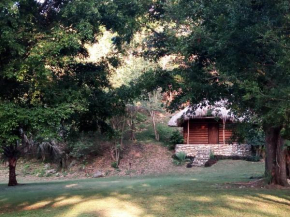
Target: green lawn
x,y
200,193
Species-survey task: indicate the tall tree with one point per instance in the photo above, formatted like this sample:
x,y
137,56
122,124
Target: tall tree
x,y
44,81
238,51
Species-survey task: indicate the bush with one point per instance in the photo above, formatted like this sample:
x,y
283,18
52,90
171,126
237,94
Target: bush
x,y
253,158
165,132
40,172
175,138
180,158
140,117
85,144
25,169
211,155
114,165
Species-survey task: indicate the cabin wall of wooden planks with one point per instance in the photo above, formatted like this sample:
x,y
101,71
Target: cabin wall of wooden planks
x,y
199,131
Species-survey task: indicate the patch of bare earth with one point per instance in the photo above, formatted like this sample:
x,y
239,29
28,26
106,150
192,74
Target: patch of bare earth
x,y
140,159
137,159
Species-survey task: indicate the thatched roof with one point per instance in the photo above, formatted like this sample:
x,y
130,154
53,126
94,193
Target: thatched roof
x,y
218,110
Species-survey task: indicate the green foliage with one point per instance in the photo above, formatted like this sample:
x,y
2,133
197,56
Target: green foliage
x,y
235,51
164,132
48,88
114,164
40,172
26,169
253,158
255,137
211,155
146,132
180,158
287,143
175,138
140,117
84,144
252,75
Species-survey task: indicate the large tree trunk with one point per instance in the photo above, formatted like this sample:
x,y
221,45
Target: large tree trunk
x,y
12,174
288,163
275,167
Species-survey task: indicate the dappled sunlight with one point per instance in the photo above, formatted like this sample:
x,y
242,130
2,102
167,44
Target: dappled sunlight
x,y
255,204
204,199
130,204
158,207
115,181
223,211
23,204
125,196
68,201
37,205
108,207
160,198
71,185
194,195
59,198
274,199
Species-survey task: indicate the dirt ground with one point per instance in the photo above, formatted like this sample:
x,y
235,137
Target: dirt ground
x,y
137,160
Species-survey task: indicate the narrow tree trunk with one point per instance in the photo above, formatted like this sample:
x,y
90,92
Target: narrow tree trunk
x,y
275,166
188,132
133,138
12,174
152,113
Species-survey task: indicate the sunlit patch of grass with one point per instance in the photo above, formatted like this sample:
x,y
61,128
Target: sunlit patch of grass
x,y
201,199
59,198
256,205
108,207
275,199
71,185
37,205
68,201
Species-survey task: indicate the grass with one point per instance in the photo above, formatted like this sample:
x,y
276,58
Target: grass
x,y
200,193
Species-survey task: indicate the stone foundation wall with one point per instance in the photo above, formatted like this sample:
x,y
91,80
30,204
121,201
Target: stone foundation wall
x,y
202,152
241,150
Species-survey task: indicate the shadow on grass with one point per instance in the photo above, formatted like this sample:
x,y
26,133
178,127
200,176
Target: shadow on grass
x,y
138,197
199,194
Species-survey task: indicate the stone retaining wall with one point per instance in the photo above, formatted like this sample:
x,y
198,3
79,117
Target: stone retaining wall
x,y
201,152
241,150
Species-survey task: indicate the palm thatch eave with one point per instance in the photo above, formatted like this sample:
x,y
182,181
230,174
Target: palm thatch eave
x,y
216,111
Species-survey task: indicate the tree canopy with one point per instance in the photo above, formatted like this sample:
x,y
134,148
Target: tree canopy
x,y
236,51
224,50
45,81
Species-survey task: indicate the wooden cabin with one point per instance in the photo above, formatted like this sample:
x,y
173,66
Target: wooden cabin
x,y
206,131
204,125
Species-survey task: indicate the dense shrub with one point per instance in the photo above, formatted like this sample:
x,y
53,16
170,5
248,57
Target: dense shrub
x,y
114,164
253,158
84,144
175,138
